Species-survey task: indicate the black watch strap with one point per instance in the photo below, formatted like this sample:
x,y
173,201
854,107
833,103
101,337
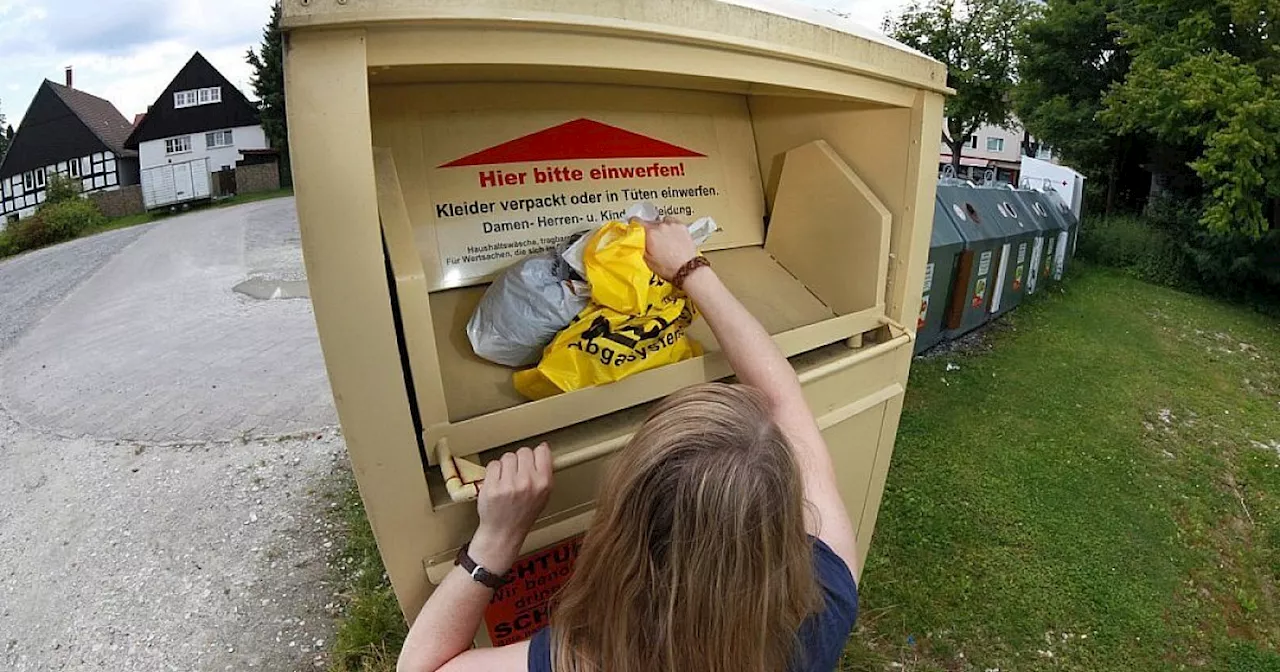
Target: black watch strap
x,y
480,574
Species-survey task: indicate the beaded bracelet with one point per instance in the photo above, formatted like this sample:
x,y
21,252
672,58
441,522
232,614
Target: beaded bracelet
x,y
689,267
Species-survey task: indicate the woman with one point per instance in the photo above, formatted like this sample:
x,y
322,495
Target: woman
x,y
719,543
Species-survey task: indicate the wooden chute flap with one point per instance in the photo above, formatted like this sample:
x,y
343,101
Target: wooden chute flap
x,y
829,230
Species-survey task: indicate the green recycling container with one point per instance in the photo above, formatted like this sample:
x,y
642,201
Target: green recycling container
x,y
1055,238
1070,228
984,235
945,249
1037,210
1015,252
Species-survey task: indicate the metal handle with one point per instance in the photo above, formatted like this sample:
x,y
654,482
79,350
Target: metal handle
x,y
462,478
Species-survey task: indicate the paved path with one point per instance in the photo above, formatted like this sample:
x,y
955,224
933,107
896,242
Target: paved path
x,y
32,284
159,348
148,520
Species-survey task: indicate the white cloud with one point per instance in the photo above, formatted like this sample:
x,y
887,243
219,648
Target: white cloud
x,y
126,51
869,13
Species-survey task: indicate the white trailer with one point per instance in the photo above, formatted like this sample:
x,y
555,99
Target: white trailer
x,y
175,183
1068,186
1043,176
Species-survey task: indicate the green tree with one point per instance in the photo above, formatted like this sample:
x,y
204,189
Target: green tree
x,y
1060,104
975,39
268,86
1205,78
61,189
4,137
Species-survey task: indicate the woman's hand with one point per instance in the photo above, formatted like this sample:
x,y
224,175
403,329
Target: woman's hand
x,y
668,246
514,492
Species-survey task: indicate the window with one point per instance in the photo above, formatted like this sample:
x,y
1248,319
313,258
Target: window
x,y
73,168
218,139
973,142
39,177
1044,153
212,94
177,145
28,181
193,97
995,144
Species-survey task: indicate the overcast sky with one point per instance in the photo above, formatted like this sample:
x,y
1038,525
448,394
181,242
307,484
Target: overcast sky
x,y
127,50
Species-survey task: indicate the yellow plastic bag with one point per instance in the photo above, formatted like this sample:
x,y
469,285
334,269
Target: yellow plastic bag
x,y
635,322
619,277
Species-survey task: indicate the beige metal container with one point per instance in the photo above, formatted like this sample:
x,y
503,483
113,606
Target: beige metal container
x,y
434,142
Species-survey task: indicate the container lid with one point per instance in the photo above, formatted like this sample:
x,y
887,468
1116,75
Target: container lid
x,y
1060,215
779,29
1000,205
944,228
972,213
1059,207
1033,209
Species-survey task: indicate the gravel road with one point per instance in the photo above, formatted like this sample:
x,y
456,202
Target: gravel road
x,y
150,549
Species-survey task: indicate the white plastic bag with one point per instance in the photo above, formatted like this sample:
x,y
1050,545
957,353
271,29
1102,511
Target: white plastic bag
x,y
700,229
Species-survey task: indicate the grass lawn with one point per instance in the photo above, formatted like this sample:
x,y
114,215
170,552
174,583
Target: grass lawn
x,y
372,629
1099,491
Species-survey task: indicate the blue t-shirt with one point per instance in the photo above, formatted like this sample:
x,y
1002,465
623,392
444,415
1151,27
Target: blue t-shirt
x,y
822,635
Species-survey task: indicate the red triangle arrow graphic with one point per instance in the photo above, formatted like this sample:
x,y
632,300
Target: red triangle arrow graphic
x,y
577,139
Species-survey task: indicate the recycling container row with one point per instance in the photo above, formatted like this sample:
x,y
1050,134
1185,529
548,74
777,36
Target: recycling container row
x,y
990,248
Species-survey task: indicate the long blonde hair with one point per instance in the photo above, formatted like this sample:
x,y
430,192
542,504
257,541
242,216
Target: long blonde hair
x,y
697,559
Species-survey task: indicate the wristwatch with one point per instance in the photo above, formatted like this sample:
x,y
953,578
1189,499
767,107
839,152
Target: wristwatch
x,y
478,573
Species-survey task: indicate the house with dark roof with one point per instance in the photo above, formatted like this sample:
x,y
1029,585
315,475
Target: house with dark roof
x,y
200,124
69,132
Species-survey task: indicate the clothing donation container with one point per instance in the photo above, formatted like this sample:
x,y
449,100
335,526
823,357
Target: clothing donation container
x,y
435,143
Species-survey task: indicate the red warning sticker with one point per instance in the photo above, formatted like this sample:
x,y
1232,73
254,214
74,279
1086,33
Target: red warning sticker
x,y
519,609
577,139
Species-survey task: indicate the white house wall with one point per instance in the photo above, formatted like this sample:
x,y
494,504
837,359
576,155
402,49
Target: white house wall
x,y
1012,145
99,172
151,153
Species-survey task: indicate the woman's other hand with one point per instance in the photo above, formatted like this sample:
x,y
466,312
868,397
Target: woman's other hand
x,y
513,494
668,246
